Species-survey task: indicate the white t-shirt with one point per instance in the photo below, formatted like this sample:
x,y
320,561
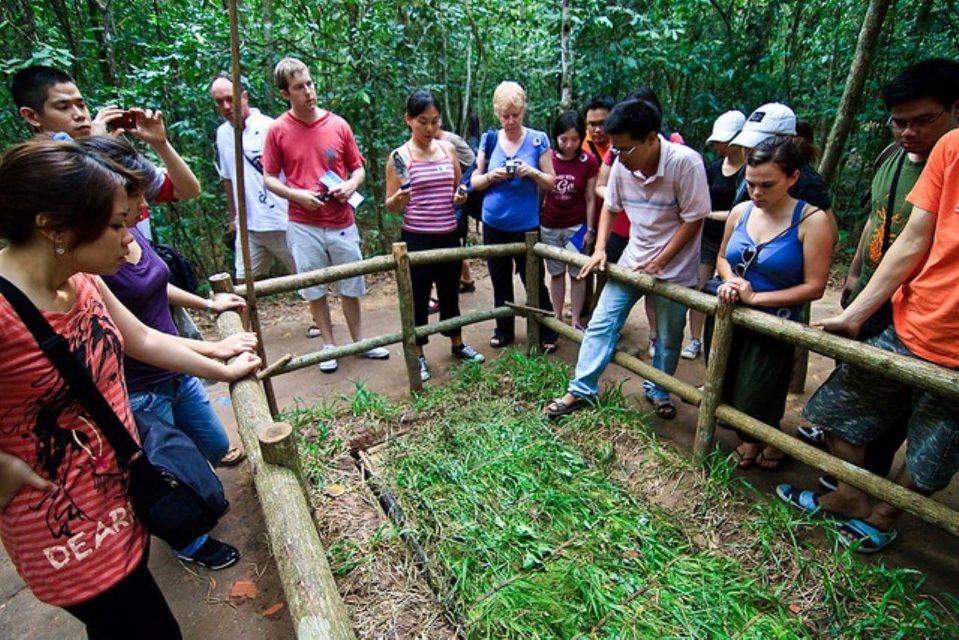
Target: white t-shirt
x,y
265,211
658,205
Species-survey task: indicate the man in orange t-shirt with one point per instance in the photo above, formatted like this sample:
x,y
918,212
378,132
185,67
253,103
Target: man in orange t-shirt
x,y
854,406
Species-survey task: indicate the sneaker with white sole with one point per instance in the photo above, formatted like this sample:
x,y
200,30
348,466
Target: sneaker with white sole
x,y
691,351
213,555
424,370
651,350
376,353
328,366
812,435
467,353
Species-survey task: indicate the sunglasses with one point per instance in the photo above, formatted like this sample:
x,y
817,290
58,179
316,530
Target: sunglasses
x,y
749,256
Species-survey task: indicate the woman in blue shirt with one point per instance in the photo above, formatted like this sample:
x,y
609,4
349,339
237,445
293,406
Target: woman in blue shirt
x,y
775,257
519,166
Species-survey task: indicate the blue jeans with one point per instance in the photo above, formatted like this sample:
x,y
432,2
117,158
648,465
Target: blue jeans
x,y
599,341
183,402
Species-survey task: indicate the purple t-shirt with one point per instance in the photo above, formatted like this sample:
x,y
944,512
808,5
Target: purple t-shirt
x,y
141,287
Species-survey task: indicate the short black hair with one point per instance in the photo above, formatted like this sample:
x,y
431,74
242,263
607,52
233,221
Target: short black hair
x,y
30,86
600,102
566,121
421,100
636,118
647,94
936,78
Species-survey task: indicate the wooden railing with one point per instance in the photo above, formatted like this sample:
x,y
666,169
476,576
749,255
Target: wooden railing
x,y
316,607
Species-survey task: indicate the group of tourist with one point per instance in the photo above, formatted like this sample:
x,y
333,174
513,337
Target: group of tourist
x,y
754,227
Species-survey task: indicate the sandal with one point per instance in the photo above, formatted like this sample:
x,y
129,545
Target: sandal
x,y
233,457
868,538
664,408
498,341
313,331
434,306
467,287
557,408
804,500
744,462
549,347
766,463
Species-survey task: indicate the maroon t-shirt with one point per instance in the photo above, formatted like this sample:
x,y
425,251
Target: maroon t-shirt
x,y
565,205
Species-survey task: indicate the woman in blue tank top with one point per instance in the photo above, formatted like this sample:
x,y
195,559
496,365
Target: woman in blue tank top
x,y
775,257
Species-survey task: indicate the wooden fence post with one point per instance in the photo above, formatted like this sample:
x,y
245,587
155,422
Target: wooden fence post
x,y
797,383
404,289
713,387
533,280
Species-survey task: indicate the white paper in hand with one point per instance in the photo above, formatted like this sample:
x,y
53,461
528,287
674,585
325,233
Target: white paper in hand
x,y
331,180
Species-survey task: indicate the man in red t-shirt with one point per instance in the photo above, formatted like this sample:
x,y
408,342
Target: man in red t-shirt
x,y
323,168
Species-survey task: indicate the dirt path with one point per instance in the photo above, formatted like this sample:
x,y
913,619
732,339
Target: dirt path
x,y
203,606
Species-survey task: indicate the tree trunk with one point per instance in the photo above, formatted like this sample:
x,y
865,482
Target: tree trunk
x,y
855,80
102,25
565,59
269,100
62,14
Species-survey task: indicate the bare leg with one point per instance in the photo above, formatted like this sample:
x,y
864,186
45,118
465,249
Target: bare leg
x,y
847,499
320,309
577,294
650,316
465,275
557,294
351,311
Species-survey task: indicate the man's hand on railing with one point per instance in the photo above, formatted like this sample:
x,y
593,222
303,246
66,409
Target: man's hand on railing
x,y
841,325
596,261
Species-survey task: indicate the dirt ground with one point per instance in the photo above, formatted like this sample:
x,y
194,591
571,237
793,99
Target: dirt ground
x,y
200,599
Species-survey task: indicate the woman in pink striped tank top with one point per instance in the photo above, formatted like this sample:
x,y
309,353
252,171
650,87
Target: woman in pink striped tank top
x,y
421,181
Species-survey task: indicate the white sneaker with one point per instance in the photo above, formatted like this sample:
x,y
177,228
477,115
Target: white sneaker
x,y
328,366
424,370
467,353
691,352
376,353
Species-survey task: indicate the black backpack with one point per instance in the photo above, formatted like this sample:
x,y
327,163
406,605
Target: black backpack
x,y
473,207
182,273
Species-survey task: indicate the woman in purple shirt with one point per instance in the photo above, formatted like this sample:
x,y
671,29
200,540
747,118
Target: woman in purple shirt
x,y
143,286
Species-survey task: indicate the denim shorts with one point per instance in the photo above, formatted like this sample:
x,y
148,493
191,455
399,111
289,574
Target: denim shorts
x,y
857,406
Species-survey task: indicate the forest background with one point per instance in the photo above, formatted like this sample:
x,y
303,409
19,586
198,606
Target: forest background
x,y
702,57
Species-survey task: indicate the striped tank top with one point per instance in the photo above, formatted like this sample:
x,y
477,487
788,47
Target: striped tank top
x,y
430,209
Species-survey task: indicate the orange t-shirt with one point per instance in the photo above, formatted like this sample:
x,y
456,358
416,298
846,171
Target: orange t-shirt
x,y
926,307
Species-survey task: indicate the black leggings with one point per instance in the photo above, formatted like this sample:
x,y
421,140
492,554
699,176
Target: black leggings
x,y
501,275
446,276
132,608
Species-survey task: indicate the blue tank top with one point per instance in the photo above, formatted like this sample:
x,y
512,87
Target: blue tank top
x,y
513,205
779,264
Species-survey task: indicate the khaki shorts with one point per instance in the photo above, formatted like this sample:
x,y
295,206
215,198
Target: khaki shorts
x,y
558,237
319,247
264,246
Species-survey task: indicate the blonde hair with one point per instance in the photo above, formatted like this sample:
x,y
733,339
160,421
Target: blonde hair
x,y
285,69
509,94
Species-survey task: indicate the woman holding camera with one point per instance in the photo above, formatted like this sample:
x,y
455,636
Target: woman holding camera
x,y
517,169
775,257
421,181
64,505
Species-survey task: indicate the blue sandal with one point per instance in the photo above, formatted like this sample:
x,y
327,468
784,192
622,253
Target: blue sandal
x,y
804,500
865,538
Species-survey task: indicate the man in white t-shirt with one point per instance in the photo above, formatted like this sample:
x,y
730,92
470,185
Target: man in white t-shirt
x,y
662,187
265,211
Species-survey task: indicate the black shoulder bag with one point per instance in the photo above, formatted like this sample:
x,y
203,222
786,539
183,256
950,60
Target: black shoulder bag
x,y
174,490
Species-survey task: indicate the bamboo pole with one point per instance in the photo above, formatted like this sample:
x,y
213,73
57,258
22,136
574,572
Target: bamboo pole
x,y
797,382
314,603
533,281
713,387
240,201
404,290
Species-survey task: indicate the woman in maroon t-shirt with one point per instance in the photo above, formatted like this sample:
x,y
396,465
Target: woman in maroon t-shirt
x,y
569,216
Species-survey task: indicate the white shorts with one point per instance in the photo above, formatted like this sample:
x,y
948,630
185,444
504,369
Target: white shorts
x,y
558,237
319,247
264,246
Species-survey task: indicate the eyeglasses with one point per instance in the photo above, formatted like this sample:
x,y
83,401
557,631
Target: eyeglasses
x,y
901,124
616,151
596,124
748,257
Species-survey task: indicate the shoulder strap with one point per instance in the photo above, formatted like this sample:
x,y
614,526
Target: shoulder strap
x,y
489,144
594,149
891,204
58,351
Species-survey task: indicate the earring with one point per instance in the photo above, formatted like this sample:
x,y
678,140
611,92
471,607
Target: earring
x,y
58,249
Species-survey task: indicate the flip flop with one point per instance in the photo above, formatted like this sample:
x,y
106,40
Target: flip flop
x,y
550,347
774,463
804,500
664,408
313,331
863,537
557,408
498,341
233,457
745,462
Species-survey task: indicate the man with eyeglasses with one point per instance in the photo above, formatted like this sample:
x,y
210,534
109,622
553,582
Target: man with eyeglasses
x,y
662,188
923,101
918,272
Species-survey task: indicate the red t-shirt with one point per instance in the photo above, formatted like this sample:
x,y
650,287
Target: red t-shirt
x,y
82,538
565,205
304,152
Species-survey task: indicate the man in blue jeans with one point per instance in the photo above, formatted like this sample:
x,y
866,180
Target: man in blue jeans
x,y
662,188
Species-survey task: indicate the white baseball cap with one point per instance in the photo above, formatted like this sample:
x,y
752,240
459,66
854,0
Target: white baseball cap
x,y
727,126
772,119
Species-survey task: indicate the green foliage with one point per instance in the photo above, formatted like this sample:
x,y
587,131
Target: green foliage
x,y
701,56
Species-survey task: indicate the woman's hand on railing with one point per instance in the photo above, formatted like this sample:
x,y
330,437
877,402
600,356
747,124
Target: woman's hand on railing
x,y
596,261
727,292
237,343
737,289
244,365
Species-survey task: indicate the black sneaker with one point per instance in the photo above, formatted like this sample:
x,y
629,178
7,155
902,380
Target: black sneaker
x,y
813,435
214,555
828,482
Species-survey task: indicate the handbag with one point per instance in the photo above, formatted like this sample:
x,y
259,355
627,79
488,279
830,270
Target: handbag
x,y
174,490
